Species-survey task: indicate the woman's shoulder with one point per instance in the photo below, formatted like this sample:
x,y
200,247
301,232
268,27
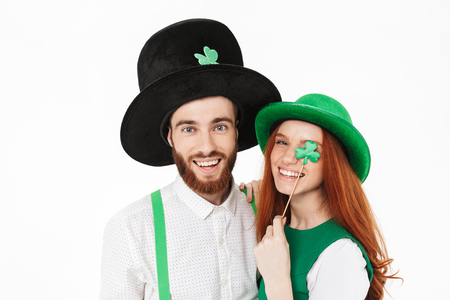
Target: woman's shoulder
x,y
344,253
341,268
344,249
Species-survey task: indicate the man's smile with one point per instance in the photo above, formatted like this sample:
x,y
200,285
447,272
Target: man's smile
x,y
205,164
208,165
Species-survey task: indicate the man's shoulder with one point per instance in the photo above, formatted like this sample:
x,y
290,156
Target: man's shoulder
x,y
238,195
141,207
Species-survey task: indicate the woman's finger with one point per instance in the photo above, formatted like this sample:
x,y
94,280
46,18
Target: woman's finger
x,y
249,190
278,226
256,185
269,231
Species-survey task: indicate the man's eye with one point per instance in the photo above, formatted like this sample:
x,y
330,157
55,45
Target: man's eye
x,y
221,127
188,129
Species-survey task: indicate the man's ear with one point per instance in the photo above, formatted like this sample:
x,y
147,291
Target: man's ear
x,y
237,131
169,137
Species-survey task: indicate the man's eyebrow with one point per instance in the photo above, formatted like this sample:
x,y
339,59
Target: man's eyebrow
x,y
192,122
185,122
221,119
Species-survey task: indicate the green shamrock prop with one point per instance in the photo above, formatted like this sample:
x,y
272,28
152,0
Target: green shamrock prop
x,y
308,152
210,57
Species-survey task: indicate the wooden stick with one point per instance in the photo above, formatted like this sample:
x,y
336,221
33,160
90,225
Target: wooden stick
x,y
295,185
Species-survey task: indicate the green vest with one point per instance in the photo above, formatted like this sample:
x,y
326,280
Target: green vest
x,y
305,246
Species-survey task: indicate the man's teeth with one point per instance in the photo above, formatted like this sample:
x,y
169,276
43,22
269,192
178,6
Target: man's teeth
x,y
290,174
207,163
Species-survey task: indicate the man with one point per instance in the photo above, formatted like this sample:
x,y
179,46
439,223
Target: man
x,y
196,108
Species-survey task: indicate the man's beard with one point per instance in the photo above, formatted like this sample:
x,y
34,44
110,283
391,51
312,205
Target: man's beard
x,y
205,187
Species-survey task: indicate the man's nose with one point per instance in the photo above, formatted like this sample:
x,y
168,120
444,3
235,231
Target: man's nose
x,y
207,144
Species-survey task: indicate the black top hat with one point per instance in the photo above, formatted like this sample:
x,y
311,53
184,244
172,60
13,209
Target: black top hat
x,y
185,61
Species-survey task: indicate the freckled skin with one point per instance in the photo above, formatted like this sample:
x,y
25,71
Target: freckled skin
x,y
291,135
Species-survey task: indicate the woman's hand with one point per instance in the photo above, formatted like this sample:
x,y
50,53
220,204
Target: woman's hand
x,y
274,263
252,188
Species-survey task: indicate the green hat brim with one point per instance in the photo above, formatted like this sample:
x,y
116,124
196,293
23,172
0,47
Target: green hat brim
x,y
351,138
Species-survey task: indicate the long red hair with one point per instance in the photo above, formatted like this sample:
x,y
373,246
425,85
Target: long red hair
x,y
346,201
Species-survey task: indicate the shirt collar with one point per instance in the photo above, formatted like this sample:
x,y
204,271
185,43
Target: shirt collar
x,y
200,206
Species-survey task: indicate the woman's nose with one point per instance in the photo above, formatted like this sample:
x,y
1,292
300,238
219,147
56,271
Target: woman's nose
x,y
289,157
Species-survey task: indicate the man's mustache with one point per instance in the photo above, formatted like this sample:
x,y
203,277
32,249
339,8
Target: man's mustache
x,y
203,156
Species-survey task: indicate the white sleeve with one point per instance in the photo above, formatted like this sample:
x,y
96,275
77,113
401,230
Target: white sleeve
x,y
119,277
339,273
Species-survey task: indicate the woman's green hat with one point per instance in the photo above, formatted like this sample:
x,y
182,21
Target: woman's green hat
x,y
325,112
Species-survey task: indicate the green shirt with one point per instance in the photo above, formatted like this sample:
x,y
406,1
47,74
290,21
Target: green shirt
x,y
305,246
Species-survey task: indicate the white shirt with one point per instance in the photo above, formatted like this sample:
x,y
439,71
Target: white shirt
x,y
209,248
339,273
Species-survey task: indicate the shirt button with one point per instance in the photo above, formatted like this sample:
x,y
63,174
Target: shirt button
x,y
225,282
221,241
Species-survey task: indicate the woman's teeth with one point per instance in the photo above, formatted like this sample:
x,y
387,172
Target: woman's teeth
x,y
291,174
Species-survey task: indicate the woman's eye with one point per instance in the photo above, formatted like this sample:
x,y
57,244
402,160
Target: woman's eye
x,y
281,142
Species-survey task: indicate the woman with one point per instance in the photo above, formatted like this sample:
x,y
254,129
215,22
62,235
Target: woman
x,y
332,247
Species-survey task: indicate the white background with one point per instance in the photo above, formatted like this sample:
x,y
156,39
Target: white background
x,y
68,74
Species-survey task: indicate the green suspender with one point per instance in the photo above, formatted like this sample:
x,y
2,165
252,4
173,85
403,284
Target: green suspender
x,y
253,201
253,204
160,246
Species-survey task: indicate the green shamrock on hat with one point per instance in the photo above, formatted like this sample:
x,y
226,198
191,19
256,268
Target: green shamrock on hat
x,y
210,57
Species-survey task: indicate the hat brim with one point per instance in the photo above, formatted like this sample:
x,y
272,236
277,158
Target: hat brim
x,y
351,138
140,130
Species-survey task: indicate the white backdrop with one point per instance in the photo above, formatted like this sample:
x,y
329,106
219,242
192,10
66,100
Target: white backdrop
x,y
68,74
